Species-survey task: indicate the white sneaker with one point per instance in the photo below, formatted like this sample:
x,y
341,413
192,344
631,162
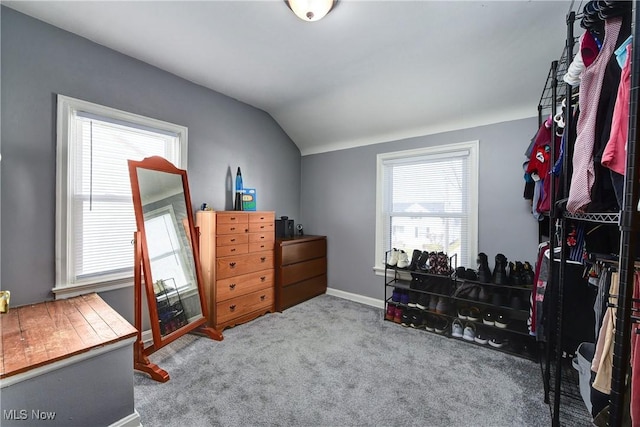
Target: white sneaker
x,y
393,259
403,259
469,332
456,329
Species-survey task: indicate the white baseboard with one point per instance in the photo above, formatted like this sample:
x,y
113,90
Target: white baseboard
x,y
132,420
356,297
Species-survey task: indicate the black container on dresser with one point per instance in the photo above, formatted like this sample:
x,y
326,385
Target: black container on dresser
x,y
301,269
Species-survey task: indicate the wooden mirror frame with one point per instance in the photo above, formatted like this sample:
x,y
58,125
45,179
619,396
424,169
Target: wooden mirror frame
x,y
142,268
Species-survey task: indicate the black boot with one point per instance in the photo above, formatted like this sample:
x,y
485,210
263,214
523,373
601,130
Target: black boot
x,y
414,260
500,270
484,274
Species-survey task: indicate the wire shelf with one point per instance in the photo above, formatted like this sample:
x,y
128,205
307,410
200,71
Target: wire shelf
x,y
603,217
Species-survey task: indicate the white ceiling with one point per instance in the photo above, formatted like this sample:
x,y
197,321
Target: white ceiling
x,y
371,71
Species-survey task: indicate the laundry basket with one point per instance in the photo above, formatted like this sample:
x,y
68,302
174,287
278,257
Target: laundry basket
x,y
582,364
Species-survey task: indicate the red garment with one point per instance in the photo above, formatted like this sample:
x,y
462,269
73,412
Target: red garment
x,y
588,48
614,156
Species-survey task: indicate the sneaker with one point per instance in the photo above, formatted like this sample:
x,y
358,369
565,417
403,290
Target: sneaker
x,y
443,305
391,311
404,298
406,318
501,321
413,299
430,322
441,325
469,333
496,342
474,314
481,338
397,317
456,328
416,319
423,301
403,259
393,258
463,313
488,319
396,295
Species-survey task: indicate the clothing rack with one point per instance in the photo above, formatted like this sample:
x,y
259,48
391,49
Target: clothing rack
x,y
628,221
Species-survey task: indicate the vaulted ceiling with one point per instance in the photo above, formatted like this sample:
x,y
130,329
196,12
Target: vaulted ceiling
x,y
369,72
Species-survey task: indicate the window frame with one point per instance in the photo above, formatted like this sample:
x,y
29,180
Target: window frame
x,y
66,284
472,203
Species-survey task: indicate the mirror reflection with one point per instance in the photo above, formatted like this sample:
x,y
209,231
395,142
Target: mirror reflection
x,y
166,225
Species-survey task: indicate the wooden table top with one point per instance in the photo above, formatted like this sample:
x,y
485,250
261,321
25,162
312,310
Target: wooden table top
x,y
40,334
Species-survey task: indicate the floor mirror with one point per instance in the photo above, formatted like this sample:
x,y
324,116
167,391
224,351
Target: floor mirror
x,y
167,266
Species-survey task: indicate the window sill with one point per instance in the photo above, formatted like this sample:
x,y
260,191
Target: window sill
x,y
62,292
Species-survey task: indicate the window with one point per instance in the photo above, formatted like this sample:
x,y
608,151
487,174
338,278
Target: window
x,y
427,200
95,220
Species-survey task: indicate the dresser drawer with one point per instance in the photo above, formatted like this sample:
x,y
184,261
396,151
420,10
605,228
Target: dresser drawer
x,y
232,239
262,217
260,246
243,264
232,218
302,270
304,251
232,228
262,227
243,284
235,307
267,236
232,250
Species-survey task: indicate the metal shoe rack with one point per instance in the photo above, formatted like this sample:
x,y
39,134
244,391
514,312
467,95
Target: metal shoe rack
x,y
561,389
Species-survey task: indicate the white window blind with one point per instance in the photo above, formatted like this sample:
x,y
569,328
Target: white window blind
x,y
95,217
427,200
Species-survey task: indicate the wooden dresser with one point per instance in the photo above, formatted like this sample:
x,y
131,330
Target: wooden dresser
x,y
237,258
301,269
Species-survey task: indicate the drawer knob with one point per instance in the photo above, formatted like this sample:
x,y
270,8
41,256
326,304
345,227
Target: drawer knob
x,y
263,278
262,226
233,240
232,286
263,259
232,228
232,264
261,246
261,217
262,237
232,307
233,218
233,249
263,297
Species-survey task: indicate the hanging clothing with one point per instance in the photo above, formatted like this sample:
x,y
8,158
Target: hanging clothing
x,y
590,88
602,362
635,356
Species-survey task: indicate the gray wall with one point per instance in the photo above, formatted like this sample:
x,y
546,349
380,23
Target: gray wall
x,y
40,61
338,200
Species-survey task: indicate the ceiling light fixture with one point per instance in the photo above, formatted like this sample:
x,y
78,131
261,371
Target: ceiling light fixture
x,y
311,10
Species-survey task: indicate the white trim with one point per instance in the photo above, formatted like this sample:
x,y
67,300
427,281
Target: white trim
x,y
45,369
132,420
356,297
489,119
69,291
472,208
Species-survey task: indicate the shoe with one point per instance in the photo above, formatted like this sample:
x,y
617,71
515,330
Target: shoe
x,y
416,320
443,265
501,321
474,314
527,274
488,319
423,302
396,295
433,302
469,333
404,297
497,299
500,270
422,261
406,318
484,274
463,313
429,322
474,293
443,305
461,273
413,299
496,342
391,311
470,274
456,328
413,266
403,260
397,317
481,338
483,294
441,325
516,302
393,258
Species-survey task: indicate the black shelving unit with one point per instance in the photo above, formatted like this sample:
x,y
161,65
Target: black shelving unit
x,y
515,336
